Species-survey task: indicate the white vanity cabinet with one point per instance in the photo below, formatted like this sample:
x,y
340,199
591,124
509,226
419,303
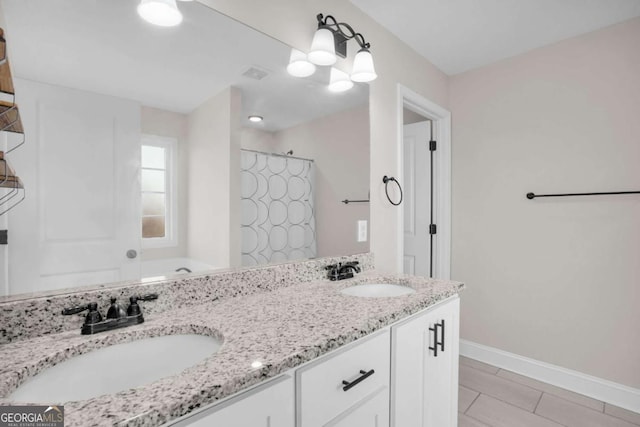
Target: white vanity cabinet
x,y
268,405
349,387
425,368
405,375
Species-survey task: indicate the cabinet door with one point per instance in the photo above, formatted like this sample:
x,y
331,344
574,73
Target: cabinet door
x,y
268,405
373,411
425,381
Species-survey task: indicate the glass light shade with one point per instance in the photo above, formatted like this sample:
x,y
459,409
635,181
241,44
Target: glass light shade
x,y
299,66
340,81
163,13
363,70
323,48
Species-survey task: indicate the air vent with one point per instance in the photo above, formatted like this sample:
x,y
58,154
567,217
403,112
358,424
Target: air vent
x,y
256,73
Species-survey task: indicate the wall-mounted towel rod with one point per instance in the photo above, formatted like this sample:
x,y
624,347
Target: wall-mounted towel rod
x,y
285,155
347,201
533,196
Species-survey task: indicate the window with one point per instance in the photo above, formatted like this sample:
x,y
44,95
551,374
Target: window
x,y
158,196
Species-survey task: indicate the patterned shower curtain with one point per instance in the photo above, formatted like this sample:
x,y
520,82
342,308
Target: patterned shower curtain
x,y
278,219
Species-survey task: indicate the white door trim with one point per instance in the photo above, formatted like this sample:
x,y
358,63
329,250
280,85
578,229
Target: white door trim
x,y
442,172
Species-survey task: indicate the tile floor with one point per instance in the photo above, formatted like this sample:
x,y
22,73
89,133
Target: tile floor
x,y
493,397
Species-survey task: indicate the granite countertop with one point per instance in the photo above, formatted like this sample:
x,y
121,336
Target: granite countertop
x,y
283,328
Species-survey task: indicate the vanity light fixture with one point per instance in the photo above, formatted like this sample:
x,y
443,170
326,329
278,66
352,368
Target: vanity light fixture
x,y
164,13
299,65
255,119
323,50
339,81
330,41
363,70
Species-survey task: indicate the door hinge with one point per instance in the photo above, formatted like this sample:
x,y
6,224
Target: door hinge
x,y
433,229
432,145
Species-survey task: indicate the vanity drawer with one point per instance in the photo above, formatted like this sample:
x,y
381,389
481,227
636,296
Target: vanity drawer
x,y
320,393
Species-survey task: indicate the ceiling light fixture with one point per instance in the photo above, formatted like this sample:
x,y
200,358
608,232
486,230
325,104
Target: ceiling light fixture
x,y
163,13
256,119
330,41
299,65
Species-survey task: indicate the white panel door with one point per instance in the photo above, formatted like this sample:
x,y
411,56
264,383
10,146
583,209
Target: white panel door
x,y
417,203
80,167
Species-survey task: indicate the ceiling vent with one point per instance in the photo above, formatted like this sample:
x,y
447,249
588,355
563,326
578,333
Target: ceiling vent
x,y
256,73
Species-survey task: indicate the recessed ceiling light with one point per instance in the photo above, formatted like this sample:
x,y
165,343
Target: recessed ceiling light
x,y
255,119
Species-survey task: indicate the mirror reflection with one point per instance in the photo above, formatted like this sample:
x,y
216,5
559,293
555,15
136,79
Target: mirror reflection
x,y
152,151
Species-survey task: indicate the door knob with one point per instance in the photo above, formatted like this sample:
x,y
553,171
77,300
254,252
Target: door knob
x,y
131,254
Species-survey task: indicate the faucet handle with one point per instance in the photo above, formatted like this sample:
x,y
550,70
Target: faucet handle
x,y
355,265
75,310
93,316
333,271
134,308
148,297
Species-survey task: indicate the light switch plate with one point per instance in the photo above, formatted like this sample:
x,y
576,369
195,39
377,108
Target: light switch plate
x,y
362,230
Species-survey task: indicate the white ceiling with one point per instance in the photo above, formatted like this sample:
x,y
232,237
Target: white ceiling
x,y
459,35
103,46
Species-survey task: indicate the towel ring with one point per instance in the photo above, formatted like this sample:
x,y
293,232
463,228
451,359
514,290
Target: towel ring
x,y
386,179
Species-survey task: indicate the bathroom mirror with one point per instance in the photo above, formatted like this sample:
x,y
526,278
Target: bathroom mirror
x,y
140,159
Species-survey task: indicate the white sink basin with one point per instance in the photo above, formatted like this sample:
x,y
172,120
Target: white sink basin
x,y
115,368
378,290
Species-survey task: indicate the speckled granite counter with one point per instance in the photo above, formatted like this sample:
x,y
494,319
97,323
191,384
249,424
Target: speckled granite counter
x,y
29,316
282,329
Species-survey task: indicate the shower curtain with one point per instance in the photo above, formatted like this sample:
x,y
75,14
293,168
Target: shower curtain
x,y
278,219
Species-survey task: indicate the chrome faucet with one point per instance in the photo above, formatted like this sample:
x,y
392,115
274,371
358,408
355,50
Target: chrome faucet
x,y
117,317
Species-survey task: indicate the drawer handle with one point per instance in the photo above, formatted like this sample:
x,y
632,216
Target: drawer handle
x,y
364,376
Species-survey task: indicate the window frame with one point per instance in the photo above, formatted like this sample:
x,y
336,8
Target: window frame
x,y
170,146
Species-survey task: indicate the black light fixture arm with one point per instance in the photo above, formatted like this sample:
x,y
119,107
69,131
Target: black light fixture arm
x,y
348,32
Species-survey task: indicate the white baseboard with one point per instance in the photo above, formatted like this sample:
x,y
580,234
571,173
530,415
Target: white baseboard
x,y
597,388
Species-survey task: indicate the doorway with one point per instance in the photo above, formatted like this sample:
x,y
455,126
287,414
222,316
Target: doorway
x,y
417,179
425,167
